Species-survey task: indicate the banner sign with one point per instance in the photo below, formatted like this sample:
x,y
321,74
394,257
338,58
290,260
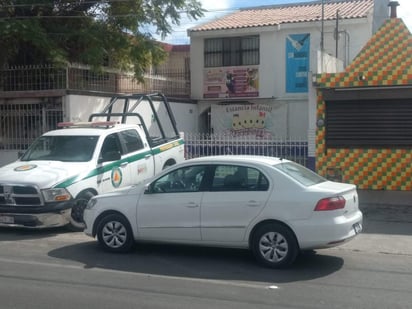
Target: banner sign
x,y
297,62
231,82
251,120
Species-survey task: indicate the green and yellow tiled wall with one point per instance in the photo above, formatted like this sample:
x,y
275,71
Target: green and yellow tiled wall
x,y
386,60
372,169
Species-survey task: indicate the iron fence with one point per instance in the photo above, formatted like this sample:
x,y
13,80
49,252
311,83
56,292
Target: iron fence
x,y
32,78
173,82
21,124
198,145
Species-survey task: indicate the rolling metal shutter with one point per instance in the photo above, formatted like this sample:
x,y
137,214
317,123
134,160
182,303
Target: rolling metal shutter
x,y
369,123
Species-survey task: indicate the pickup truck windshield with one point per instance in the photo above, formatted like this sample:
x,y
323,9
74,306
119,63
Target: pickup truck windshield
x,y
62,148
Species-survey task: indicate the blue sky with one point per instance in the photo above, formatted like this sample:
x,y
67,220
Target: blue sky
x,y
217,8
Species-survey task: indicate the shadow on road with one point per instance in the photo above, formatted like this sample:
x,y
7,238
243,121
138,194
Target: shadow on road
x,y
10,234
198,262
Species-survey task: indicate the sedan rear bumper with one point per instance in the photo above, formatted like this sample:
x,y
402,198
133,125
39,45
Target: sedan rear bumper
x,y
328,233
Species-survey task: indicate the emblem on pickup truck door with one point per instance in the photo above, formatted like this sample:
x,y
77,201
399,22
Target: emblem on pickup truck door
x,y
116,177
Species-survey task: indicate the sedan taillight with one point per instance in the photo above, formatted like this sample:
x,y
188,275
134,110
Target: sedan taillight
x,y
331,203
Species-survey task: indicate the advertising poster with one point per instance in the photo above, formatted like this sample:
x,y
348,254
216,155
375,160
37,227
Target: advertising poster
x,y
297,62
231,82
250,120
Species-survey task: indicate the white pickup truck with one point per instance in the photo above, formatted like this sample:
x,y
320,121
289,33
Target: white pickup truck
x,y
51,183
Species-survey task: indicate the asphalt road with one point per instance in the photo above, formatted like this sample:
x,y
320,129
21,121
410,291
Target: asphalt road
x,y
60,269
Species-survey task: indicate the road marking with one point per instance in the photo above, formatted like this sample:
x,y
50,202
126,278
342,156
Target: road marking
x,y
197,280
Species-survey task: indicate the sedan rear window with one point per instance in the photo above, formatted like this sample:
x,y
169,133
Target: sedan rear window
x,y
300,173
238,178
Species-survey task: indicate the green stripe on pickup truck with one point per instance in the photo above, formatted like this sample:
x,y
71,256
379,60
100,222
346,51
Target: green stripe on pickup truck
x,y
109,167
168,146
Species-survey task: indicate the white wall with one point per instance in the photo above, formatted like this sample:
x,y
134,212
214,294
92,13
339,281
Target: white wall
x,y
8,156
297,119
380,13
79,107
185,115
196,67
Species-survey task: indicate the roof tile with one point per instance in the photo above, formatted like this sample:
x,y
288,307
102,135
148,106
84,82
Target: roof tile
x,y
288,13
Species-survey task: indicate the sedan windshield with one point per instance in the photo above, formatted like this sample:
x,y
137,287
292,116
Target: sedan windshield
x,y
300,173
62,148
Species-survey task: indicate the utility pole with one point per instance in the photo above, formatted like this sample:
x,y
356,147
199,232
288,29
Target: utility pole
x,y
322,47
337,32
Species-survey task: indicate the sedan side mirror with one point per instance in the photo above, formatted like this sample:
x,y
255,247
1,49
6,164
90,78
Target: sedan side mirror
x,y
147,189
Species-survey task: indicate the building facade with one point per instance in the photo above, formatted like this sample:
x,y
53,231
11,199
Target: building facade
x,y
251,71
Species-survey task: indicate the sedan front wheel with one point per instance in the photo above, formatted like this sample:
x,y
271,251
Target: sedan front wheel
x,y
114,233
274,245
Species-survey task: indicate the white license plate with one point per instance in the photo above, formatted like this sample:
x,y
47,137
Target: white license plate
x,y
6,219
357,227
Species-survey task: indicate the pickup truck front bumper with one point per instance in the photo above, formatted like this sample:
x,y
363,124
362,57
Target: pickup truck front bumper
x,y
50,215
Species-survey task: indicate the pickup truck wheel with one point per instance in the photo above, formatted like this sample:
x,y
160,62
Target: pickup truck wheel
x,y
76,220
115,234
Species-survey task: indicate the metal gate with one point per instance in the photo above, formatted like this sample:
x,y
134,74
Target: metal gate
x,y
198,145
21,123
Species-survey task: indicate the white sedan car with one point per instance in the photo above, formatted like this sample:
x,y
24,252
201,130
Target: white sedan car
x,y
272,206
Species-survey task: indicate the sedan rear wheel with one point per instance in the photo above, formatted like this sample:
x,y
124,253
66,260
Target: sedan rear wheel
x,y
114,233
274,245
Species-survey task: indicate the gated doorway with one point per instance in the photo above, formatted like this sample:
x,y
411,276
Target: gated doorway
x,y
21,121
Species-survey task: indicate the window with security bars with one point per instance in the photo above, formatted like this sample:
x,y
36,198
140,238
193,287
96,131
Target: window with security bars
x,y
231,51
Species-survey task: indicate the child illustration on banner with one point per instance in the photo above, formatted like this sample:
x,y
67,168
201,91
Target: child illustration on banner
x,y
249,122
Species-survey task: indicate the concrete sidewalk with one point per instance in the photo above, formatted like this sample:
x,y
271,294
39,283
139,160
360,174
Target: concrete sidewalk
x,y
387,223
383,197
389,206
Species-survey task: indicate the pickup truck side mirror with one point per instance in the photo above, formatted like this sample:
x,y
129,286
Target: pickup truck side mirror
x,y
20,153
110,156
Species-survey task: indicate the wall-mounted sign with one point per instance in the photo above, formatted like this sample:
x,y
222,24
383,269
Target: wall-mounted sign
x,y
297,62
252,120
231,82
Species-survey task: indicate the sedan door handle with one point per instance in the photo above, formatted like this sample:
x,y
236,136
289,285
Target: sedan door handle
x,y
124,164
192,205
253,204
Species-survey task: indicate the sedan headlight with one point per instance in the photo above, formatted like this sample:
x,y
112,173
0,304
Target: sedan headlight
x,y
91,203
56,195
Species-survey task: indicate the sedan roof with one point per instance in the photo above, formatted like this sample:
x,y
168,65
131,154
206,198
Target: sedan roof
x,y
239,159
